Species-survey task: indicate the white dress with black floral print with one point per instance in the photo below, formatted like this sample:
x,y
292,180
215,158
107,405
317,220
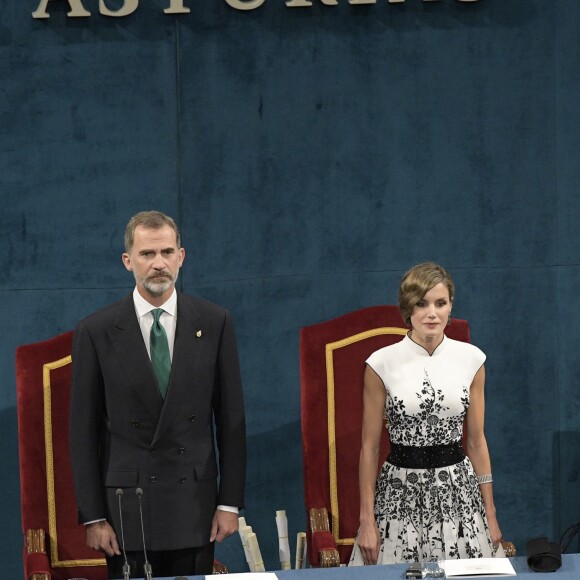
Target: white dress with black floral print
x,y
439,511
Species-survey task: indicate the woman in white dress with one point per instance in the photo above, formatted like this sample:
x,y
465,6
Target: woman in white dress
x,y
429,501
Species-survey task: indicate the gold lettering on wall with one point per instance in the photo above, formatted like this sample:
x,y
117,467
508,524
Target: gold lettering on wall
x,y
176,7
302,3
129,6
362,1
298,3
251,5
77,9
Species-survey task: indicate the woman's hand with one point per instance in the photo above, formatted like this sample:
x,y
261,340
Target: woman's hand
x,y
369,541
494,531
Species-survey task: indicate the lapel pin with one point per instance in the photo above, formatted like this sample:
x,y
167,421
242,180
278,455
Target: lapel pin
x,y
198,333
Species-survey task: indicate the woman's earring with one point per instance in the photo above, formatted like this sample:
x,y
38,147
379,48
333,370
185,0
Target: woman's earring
x,y
449,320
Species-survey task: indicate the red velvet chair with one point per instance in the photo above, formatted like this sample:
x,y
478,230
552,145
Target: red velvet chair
x,y
54,544
332,356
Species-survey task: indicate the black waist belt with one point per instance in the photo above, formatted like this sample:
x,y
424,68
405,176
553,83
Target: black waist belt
x,y
425,457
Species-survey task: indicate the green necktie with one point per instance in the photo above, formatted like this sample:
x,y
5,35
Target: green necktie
x,y
160,358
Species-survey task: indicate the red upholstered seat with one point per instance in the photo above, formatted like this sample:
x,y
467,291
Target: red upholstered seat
x,y
332,362
54,544
43,374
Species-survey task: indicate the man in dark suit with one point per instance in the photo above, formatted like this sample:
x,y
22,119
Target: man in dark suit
x,y
155,375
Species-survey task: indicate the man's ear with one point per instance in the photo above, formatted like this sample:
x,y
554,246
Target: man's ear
x,y
127,261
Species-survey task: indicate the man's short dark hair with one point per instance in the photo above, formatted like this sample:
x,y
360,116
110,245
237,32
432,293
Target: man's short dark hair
x,y
152,220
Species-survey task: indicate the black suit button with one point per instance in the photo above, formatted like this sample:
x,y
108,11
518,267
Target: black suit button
x,y
153,478
152,450
181,450
182,479
192,418
134,422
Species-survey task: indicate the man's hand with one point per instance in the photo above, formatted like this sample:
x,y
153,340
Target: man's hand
x,y
101,536
224,524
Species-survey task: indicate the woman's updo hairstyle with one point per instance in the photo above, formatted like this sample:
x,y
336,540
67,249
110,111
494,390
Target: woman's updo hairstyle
x,y
417,282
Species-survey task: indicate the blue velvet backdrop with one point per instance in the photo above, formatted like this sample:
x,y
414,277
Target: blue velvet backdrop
x,y
310,155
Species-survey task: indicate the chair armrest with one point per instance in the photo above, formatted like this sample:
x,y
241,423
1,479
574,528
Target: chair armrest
x,y
37,565
219,568
508,548
323,542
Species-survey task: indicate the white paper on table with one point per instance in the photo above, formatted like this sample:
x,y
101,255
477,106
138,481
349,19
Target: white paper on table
x,y
283,544
477,567
250,576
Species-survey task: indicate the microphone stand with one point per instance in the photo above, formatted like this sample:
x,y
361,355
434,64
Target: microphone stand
x,y
126,567
147,565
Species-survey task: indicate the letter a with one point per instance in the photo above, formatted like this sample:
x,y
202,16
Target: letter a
x,y
76,9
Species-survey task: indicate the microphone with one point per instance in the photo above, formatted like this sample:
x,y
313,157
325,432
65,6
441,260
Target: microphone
x,y
146,566
126,567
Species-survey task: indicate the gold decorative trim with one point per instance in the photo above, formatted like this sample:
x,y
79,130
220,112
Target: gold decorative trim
x,y
55,561
319,520
329,558
330,348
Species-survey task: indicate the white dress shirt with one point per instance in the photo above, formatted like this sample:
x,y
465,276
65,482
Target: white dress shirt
x,y
168,319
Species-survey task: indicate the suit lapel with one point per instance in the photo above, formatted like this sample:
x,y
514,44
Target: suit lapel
x,y
127,339
186,350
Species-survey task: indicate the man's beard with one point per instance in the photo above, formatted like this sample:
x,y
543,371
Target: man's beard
x,y
157,284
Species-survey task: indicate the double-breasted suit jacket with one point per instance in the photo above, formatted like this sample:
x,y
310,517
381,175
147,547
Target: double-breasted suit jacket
x,y
124,435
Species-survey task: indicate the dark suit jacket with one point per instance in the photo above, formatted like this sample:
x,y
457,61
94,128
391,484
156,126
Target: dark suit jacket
x,y
123,435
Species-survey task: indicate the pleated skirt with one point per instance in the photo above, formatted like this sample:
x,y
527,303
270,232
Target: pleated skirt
x,y
438,513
